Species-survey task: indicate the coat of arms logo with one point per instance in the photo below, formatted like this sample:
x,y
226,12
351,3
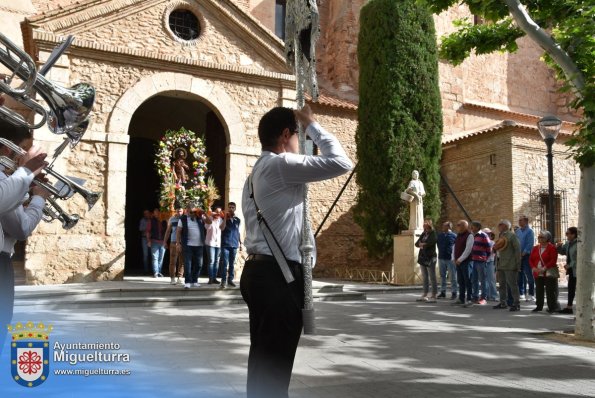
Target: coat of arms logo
x,y
30,353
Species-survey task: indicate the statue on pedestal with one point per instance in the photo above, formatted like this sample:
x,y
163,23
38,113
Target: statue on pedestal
x,y
414,195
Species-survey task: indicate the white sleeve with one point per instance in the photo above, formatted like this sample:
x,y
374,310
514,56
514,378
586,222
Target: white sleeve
x,y
468,248
332,161
14,188
21,222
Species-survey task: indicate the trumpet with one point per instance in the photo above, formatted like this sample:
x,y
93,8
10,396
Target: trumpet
x,y
65,187
68,108
52,211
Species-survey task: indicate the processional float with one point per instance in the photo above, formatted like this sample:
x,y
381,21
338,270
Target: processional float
x,y
302,29
67,113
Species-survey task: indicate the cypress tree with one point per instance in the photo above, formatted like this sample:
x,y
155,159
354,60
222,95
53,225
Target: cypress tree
x,y
400,117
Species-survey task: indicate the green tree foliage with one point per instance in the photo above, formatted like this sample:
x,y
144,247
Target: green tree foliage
x,y
571,24
400,117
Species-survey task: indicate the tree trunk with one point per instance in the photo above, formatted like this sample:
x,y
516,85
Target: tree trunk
x,y
585,278
545,41
585,273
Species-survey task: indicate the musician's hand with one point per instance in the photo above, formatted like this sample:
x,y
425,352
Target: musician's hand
x,y
40,178
39,191
304,116
34,160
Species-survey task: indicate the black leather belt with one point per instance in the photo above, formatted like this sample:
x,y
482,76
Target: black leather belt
x,y
261,257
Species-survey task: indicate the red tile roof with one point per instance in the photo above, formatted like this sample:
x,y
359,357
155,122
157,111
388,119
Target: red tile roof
x,y
504,125
325,99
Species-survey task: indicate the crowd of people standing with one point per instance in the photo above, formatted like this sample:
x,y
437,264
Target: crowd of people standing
x,y
189,234
506,268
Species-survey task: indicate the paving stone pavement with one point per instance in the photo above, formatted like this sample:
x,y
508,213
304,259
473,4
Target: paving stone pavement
x,y
387,346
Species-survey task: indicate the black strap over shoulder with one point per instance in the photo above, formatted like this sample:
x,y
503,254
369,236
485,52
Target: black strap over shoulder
x,y
270,239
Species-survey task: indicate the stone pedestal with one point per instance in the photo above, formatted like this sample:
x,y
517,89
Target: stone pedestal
x,y
405,267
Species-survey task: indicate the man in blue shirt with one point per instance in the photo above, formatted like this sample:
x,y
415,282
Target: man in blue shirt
x,y
527,240
446,242
230,242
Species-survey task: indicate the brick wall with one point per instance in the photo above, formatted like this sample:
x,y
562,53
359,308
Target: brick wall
x,y
339,243
530,175
484,189
263,10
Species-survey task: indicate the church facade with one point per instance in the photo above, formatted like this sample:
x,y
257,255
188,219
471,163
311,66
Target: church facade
x,y
214,67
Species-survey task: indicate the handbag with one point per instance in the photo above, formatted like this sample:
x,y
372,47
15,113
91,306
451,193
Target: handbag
x,y
424,259
552,273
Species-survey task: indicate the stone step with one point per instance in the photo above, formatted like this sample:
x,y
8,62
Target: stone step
x,y
157,296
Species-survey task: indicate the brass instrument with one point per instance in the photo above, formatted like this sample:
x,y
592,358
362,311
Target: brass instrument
x,y
52,211
68,108
68,114
65,190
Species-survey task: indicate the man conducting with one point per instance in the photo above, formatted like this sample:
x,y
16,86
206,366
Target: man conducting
x,y
277,185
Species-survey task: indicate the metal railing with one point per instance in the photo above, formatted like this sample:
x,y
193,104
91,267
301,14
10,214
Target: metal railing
x,y
364,275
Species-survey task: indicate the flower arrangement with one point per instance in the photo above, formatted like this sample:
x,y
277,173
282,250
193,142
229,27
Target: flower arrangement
x,y
193,186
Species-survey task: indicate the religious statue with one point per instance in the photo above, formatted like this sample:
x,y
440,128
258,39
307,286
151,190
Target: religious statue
x,y
180,166
414,195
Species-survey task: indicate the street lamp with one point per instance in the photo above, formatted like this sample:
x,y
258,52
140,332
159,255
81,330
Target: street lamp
x,y
549,127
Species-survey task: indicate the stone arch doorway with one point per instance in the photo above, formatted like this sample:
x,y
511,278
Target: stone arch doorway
x,y
168,110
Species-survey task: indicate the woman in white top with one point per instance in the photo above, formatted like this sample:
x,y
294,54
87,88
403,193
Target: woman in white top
x,y
215,223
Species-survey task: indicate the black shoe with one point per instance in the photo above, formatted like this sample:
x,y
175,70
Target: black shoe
x,y
222,285
210,282
515,308
231,284
441,295
537,310
552,311
453,296
215,281
500,306
566,311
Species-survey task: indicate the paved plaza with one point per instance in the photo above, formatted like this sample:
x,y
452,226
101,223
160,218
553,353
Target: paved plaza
x,y
386,346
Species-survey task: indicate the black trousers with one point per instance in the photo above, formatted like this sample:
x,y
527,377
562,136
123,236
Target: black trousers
x,y
571,286
6,295
551,292
275,309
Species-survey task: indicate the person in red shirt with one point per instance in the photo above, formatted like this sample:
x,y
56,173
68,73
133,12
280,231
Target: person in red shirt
x,y
544,263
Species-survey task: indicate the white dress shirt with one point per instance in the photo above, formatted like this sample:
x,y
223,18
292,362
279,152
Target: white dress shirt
x,y
18,224
12,192
278,181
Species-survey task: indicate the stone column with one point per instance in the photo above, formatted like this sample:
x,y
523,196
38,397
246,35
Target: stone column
x,y
405,267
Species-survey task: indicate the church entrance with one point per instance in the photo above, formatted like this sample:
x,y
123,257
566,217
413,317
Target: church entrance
x,y
167,111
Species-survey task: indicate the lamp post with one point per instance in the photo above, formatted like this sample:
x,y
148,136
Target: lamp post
x,y
549,127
